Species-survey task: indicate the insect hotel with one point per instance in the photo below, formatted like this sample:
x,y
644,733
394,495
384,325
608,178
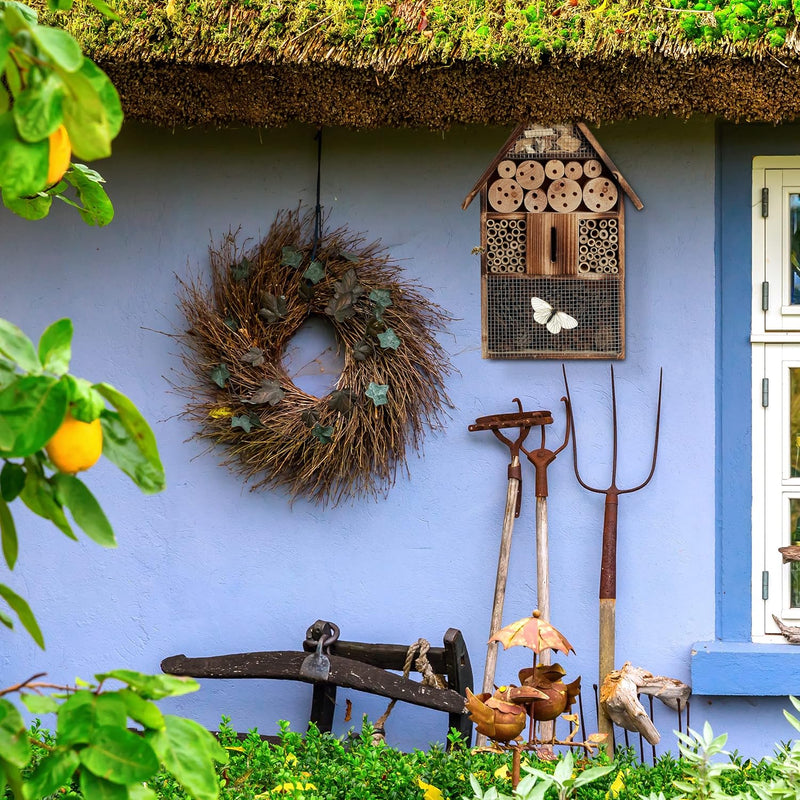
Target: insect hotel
x,y
552,247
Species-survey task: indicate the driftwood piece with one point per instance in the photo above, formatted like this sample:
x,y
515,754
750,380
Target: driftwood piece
x,y
619,696
790,632
790,553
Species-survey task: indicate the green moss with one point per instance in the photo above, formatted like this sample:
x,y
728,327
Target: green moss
x,y
371,32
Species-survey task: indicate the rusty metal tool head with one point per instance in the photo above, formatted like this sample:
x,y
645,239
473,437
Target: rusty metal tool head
x,y
524,421
541,458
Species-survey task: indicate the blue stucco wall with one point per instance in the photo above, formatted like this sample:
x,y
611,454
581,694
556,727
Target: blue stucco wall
x,y
209,568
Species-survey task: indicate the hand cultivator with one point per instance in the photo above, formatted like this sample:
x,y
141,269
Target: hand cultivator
x,y
608,567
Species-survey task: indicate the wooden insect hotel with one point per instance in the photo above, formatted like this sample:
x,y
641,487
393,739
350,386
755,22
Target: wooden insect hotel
x,y
552,247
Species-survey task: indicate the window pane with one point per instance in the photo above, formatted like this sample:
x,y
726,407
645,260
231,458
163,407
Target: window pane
x,y
794,566
794,248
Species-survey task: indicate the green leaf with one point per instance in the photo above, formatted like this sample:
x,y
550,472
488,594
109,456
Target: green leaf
x,y
60,46
348,256
9,623
377,392
136,425
8,532
232,323
85,402
273,308
120,449
38,108
12,480
60,5
341,400
84,712
323,434
152,687
34,407
23,165
246,422
188,751
23,611
85,117
6,41
94,788
141,710
14,743
105,9
241,271
315,272
291,257
38,497
5,97
52,772
389,339
35,207
6,433
55,347
15,345
108,95
18,17
96,208
119,756
86,511
139,791
269,392
310,417
40,704
381,297
220,375
362,350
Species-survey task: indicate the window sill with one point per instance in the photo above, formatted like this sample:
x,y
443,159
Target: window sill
x,y
745,669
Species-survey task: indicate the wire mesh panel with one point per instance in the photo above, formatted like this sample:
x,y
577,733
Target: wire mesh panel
x,y
551,141
595,304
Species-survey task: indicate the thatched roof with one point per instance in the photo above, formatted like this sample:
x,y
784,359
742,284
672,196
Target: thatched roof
x,y
367,63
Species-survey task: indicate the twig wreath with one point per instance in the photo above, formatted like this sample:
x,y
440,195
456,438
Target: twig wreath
x,y
391,388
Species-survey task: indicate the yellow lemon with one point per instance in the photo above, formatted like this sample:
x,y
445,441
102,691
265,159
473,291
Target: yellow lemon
x,y
76,445
60,154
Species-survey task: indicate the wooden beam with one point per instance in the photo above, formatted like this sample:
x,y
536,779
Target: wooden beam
x,y
612,167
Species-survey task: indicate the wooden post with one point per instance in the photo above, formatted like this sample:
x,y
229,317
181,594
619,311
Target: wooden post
x,y
547,728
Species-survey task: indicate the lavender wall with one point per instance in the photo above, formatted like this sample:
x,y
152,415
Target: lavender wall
x,y
209,568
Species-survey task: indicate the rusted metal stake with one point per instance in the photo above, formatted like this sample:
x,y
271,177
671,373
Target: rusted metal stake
x,y
608,564
524,421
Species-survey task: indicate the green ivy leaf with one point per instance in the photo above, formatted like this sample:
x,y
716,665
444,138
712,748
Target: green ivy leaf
x,y
86,511
377,392
273,308
242,421
12,480
232,323
381,297
241,271
350,256
8,534
254,356
389,340
55,347
315,272
34,407
291,257
324,434
220,375
17,347
269,392
23,611
121,449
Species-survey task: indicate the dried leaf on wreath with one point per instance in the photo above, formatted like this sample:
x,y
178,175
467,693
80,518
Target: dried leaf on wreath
x,y
246,422
220,375
341,400
241,271
310,417
362,350
254,356
273,308
270,392
349,285
232,323
306,291
382,299
375,326
315,272
353,258
323,434
291,257
377,392
389,339
341,307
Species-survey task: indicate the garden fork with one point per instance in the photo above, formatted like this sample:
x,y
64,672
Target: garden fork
x,y
608,563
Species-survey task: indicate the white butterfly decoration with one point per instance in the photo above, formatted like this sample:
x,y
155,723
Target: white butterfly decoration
x,y
553,320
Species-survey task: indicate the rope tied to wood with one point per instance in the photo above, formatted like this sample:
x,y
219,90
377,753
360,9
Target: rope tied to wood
x,y
429,678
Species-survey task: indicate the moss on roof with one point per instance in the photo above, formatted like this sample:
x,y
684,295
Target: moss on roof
x,y
620,59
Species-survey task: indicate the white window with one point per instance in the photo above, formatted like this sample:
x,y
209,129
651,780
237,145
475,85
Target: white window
x,y
775,341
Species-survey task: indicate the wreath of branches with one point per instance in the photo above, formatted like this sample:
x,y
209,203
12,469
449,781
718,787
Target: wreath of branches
x,y
352,441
